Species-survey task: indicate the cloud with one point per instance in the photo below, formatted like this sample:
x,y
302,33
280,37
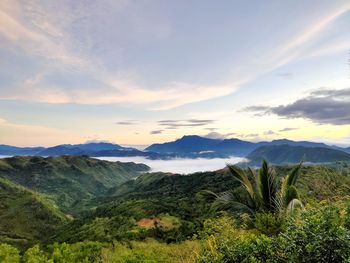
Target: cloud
x,y
325,106
285,75
174,124
270,132
128,122
180,165
156,132
288,129
211,129
249,135
36,33
70,38
97,141
217,135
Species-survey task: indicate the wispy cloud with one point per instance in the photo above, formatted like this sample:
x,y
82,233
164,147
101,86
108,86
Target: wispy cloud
x,y
174,124
285,75
51,32
288,129
221,136
128,122
156,132
270,132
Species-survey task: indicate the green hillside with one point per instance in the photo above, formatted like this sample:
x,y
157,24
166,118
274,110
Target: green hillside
x,y
67,179
156,215
26,217
153,195
286,154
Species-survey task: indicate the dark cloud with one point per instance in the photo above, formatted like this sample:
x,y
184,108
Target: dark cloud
x,y
174,124
324,106
156,132
288,129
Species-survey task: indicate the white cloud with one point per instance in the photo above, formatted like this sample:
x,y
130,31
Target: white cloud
x,y
39,32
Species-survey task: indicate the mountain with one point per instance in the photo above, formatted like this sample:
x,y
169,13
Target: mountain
x,y
80,149
295,143
25,216
12,150
234,147
66,179
283,154
194,145
187,144
190,146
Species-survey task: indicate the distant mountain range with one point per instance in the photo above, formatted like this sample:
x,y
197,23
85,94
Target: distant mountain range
x,y
192,146
287,154
196,144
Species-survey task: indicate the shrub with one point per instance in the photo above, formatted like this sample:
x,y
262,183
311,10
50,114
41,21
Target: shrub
x,y
269,224
318,236
35,255
9,254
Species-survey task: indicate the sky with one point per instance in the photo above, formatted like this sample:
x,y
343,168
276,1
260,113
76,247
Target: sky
x,y
145,71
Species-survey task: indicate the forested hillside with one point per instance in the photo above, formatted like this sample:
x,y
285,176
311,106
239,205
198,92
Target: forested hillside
x,y
157,216
67,179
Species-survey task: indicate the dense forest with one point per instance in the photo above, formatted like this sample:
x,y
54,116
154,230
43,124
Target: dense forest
x,y
78,209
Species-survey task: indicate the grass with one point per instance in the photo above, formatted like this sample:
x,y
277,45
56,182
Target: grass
x,y
152,251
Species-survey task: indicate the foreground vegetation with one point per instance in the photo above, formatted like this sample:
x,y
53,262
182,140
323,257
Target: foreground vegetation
x,y
162,217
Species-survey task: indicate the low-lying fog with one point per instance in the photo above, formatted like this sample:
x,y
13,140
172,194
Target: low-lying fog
x,y
182,166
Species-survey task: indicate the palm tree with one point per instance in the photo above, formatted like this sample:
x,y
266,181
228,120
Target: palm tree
x,y
263,192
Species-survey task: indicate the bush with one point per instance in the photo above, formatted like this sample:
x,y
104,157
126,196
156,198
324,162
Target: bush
x,y
9,254
269,224
318,237
79,252
35,255
246,248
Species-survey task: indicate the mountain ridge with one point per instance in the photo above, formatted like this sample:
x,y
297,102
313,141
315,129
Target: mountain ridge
x,y
289,154
188,146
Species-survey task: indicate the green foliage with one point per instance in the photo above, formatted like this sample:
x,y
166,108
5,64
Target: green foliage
x,y
68,179
263,193
318,237
35,255
85,252
268,223
317,234
9,254
224,242
25,216
79,252
114,212
151,251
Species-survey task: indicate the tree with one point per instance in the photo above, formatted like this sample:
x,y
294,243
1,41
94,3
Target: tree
x,y
263,192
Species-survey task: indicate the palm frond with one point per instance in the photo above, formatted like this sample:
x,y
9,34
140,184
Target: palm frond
x,y
206,195
268,186
227,201
242,177
292,177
